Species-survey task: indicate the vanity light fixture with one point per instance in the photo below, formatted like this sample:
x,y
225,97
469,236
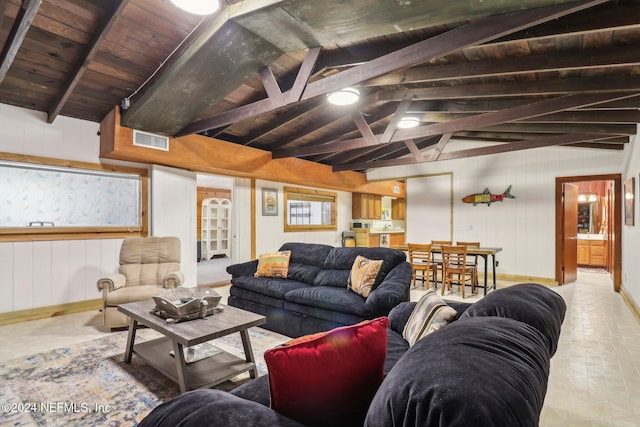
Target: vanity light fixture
x,y
582,198
408,122
345,96
198,7
592,198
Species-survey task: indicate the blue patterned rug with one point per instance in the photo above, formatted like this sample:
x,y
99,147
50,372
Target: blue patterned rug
x,y
89,384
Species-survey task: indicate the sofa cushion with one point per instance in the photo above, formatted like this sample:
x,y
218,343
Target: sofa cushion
x,y
343,259
213,407
307,253
363,275
276,288
132,294
303,272
305,313
257,298
273,264
531,303
329,380
481,372
335,278
430,314
329,298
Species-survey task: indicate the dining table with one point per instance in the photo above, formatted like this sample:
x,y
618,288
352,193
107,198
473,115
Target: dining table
x,y
483,251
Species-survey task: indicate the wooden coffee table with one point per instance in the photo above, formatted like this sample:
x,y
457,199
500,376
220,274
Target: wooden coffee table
x,y
203,373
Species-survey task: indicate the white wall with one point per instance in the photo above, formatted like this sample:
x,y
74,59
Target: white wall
x,y
173,213
525,226
269,229
631,235
45,273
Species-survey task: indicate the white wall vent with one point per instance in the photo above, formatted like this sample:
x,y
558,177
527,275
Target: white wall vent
x,y
150,140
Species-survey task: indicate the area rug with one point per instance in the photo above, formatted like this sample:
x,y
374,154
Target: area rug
x,y
89,384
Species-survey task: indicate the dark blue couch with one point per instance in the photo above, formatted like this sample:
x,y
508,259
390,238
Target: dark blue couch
x,y
314,296
489,368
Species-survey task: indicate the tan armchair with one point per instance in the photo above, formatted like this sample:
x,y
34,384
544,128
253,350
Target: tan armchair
x,y
148,267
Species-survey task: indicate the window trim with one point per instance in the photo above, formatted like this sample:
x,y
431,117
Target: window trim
x,y
306,194
21,234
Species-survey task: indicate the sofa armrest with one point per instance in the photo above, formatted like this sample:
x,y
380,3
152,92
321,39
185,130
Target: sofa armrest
x,y
399,316
393,290
213,408
111,283
243,269
173,280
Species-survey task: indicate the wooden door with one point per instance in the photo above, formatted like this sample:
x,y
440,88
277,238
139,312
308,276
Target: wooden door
x,y
570,233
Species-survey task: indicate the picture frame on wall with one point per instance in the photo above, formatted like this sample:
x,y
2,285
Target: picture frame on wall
x,y
269,202
629,201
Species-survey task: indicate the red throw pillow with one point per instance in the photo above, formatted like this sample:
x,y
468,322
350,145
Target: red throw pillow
x,y
330,377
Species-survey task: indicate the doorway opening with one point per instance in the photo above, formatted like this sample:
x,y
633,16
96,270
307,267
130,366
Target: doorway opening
x,y
588,226
214,228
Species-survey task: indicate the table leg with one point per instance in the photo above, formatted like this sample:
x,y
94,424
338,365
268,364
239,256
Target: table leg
x,y
181,366
493,260
133,326
248,353
486,273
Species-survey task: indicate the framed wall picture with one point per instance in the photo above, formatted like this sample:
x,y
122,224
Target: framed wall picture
x,y
269,202
629,201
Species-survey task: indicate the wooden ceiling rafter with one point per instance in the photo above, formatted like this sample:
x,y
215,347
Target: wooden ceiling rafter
x,y
474,33
473,122
565,139
17,34
98,37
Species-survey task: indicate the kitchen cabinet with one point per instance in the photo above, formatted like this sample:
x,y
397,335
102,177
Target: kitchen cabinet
x,y
592,253
396,239
399,209
366,206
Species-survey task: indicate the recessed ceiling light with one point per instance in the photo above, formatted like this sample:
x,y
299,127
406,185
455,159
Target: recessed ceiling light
x,y
198,7
408,122
345,96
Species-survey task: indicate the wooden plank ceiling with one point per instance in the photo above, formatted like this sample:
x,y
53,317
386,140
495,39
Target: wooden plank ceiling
x,y
481,77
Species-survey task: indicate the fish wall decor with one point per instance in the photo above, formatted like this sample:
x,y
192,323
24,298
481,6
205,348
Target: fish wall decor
x,y
487,197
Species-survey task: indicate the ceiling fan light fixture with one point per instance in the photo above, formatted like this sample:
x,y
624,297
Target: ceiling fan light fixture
x,y
408,122
346,96
198,7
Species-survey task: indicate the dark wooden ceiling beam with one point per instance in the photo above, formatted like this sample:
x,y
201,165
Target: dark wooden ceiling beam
x,y
415,151
524,88
290,115
364,128
475,122
481,151
550,62
590,117
271,87
436,152
471,34
113,14
500,103
306,70
393,123
26,14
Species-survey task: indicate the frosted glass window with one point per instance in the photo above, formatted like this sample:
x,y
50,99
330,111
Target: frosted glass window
x,y
37,195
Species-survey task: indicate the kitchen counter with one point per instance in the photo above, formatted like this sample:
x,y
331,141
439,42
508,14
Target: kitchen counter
x,y
381,231
592,237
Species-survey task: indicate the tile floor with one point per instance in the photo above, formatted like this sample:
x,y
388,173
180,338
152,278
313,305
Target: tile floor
x,y
595,374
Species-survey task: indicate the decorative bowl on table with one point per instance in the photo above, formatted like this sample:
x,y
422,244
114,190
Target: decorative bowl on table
x,y
181,304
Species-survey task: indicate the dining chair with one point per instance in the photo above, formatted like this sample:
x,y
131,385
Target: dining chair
x,y
472,260
436,259
420,260
455,271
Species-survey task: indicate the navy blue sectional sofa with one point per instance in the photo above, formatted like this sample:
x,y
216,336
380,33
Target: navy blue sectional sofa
x,y
314,296
488,368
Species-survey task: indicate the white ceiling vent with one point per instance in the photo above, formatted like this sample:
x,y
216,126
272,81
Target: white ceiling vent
x,y
150,140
